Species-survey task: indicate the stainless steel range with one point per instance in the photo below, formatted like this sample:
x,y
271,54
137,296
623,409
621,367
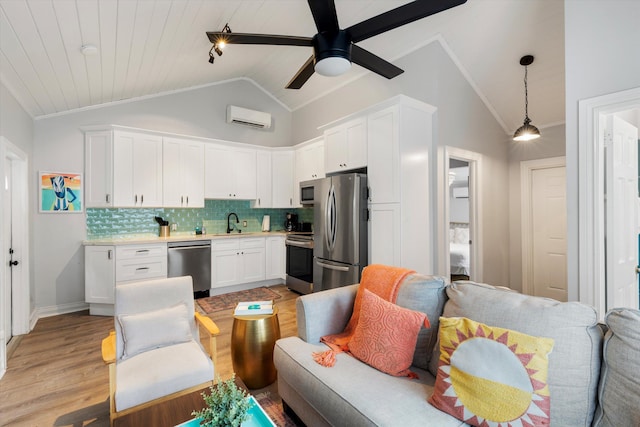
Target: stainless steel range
x,y
300,262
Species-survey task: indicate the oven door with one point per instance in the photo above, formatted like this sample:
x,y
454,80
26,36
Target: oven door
x,y
299,266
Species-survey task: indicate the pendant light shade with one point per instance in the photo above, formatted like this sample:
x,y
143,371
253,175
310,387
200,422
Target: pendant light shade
x,y
527,131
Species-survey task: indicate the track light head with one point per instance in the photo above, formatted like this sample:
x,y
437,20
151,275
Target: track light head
x,y
211,58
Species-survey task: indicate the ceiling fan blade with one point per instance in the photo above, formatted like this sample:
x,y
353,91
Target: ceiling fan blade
x,y
398,17
374,63
324,15
270,39
303,74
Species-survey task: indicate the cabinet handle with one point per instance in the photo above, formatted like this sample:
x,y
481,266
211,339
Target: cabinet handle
x,y
187,200
141,198
135,199
107,198
142,268
259,201
290,201
142,250
181,200
109,254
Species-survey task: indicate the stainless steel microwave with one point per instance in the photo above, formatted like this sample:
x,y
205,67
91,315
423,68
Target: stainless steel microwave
x,y
307,192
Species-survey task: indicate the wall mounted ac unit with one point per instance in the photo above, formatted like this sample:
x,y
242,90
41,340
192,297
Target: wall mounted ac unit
x,y
244,116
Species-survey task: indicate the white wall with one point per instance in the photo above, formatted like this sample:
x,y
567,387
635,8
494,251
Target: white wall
x,y
16,125
59,146
550,144
601,57
462,120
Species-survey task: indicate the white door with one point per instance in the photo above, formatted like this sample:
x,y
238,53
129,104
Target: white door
x,y
621,212
549,232
7,308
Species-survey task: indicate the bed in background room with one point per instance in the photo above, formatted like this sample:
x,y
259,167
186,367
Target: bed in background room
x,y
459,250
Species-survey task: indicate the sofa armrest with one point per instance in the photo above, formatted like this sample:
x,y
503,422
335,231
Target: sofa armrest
x,y
324,313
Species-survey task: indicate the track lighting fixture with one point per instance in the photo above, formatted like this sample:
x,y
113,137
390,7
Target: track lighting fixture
x,y
527,131
219,45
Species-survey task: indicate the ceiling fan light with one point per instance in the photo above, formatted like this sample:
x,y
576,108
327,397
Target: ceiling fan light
x,y
526,132
332,66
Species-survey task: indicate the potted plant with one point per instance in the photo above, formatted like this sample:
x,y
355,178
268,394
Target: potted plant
x,y
227,405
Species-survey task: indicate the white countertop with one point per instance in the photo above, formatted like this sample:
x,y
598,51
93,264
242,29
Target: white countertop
x,y
137,239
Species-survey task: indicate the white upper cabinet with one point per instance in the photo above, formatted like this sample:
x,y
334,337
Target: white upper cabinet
x,y
309,164
263,180
230,173
282,179
383,152
98,165
346,146
183,173
310,161
137,170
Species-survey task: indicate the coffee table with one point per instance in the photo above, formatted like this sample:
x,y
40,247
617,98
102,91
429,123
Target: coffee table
x,y
170,412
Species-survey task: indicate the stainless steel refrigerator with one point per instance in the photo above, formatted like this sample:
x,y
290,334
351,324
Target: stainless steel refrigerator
x,y
340,230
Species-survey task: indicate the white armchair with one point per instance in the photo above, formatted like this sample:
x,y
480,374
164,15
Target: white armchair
x,y
154,353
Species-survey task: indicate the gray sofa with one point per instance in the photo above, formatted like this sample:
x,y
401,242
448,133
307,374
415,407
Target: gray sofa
x,y
593,376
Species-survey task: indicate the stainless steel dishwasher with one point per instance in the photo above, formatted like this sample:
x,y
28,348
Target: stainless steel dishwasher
x,y
191,259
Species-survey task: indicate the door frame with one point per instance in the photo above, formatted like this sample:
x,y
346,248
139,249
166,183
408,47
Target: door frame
x,y
591,192
475,210
21,288
526,174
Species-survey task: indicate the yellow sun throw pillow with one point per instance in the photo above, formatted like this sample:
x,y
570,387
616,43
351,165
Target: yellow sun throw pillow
x,y
489,376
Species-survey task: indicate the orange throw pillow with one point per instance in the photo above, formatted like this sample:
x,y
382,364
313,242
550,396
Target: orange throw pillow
x,y
386,335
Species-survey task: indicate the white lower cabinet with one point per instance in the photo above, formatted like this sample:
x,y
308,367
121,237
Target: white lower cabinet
x,y
105,267
384,234
237,260
275,258
99,276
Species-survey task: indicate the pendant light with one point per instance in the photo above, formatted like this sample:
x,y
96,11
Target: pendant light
x,y
527,131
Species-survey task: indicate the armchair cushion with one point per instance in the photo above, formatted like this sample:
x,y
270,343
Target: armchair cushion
x,y
160,372
154,329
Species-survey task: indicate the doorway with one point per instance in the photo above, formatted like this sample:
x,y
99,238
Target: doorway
x,y
595,232
459,214
14,248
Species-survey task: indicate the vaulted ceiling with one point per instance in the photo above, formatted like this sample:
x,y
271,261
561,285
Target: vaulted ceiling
x,y
146,47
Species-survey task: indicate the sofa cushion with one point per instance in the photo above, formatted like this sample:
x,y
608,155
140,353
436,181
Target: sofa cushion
x,y
619,392
574,364
153,329
490,375
386,335
352,393
160,372
427,295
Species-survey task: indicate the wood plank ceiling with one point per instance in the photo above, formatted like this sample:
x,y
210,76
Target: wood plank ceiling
x,y
146,47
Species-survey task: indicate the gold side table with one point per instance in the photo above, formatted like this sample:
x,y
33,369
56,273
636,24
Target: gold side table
x,y
253,338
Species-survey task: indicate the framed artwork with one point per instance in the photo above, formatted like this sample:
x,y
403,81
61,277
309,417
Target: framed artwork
x,y
60,192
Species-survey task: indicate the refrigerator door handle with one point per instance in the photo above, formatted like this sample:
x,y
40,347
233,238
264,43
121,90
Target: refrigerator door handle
x,y
332,267
330,229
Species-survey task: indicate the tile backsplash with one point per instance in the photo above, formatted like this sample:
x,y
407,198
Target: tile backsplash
x,y
103,223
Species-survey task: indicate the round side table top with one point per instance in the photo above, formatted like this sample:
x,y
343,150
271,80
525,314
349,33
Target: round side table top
x,y
255,316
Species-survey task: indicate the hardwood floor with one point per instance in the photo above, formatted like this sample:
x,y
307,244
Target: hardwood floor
x,y
56,376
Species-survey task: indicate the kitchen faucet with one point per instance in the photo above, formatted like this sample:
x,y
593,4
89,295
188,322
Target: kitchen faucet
x,y
229,224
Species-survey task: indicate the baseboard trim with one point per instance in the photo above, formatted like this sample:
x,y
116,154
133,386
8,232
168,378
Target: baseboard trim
x,y
54,310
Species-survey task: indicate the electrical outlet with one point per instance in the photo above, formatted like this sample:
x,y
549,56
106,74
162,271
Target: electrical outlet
x,y
244,223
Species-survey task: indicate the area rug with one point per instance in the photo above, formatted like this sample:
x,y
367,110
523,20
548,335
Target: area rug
x,y
274,409
230,300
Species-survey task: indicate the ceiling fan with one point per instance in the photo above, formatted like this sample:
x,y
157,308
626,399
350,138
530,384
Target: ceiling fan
x,y
334,48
